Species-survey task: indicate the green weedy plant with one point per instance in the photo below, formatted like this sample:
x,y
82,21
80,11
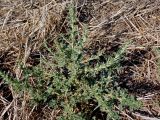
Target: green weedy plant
x,y
157,52
69,79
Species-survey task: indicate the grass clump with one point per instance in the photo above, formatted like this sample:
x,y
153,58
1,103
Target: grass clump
x,y
70,80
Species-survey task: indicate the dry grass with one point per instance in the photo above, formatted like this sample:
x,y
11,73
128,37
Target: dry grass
x,y
25,24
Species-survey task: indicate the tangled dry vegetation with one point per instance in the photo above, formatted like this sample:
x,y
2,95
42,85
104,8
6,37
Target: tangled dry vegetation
x,y
26,24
